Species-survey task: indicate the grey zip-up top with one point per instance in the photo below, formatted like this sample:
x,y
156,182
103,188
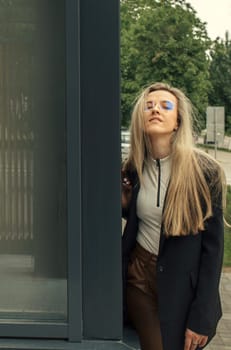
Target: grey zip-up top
x,y
150,202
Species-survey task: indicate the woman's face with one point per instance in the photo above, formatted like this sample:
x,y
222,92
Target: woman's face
x,y
160,113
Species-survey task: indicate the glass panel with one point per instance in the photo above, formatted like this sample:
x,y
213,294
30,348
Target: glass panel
x,y
32,161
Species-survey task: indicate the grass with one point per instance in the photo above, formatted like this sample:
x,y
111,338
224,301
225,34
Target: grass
x,y
227,252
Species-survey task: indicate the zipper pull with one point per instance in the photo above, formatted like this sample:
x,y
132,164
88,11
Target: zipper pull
x,y
158,182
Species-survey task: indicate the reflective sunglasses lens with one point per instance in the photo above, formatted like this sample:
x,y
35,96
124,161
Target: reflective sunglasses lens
x,y
167,105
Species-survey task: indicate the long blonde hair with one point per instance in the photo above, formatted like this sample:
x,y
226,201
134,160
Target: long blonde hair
x,y
195,176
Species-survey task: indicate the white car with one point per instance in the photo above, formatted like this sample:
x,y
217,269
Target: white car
x,y
125,142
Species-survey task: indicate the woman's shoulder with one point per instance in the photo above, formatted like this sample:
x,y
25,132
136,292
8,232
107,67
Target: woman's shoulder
x,y
206,161
211,169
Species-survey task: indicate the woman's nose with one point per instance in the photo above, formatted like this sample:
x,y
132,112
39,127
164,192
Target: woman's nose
x,y
156,107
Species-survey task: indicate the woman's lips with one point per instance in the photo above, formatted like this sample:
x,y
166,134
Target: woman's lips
x,y
155,119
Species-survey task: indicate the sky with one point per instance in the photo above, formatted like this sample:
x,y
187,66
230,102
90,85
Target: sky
x,y
217,14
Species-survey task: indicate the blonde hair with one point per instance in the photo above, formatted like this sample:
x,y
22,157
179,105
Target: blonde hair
x,y
195,176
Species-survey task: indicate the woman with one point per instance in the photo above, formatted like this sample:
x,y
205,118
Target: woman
x,y
173,238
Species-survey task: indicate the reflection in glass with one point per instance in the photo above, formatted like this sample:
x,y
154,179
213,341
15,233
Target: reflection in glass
x,y
32,160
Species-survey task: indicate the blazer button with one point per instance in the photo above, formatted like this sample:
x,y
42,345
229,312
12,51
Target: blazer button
x,y
161,268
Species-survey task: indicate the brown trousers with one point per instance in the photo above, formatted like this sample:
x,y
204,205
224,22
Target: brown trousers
x,y
142,298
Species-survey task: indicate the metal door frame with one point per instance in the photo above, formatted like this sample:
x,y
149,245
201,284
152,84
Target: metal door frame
x,y
72,329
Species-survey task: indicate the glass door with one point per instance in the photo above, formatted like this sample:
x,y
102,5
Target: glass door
x,y
33,210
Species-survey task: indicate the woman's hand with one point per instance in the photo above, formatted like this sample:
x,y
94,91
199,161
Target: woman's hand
x,y
126,191
194,340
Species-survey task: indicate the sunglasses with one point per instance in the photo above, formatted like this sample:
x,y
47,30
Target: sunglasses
x,y
164,105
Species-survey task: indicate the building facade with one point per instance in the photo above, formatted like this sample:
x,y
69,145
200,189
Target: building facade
x,y
60,159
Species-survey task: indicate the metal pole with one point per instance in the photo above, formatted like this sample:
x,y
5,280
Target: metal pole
x,y
215,133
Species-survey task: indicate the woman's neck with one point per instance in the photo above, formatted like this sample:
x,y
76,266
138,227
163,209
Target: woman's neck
x,y
160,148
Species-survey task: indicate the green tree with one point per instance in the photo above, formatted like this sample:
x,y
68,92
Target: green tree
x,y
163,40
220,77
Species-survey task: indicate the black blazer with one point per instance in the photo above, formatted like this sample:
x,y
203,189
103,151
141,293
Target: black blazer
x,y
188,276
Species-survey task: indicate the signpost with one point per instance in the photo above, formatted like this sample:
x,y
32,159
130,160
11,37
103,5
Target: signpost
x,y
215,125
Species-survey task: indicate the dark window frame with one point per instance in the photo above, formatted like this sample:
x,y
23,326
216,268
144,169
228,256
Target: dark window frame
x,y
84,278
72,329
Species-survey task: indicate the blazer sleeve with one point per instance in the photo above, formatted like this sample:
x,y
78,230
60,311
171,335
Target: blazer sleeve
x,y
205,310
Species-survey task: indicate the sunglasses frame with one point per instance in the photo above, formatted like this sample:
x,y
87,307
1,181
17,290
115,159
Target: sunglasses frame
x,y
169,105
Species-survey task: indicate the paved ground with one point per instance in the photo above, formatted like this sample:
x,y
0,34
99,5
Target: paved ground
x,y
222,341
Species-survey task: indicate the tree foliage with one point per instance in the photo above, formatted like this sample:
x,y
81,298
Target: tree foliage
x,y
220,77
163,40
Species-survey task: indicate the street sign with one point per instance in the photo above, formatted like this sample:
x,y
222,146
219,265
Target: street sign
x,y
215,125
